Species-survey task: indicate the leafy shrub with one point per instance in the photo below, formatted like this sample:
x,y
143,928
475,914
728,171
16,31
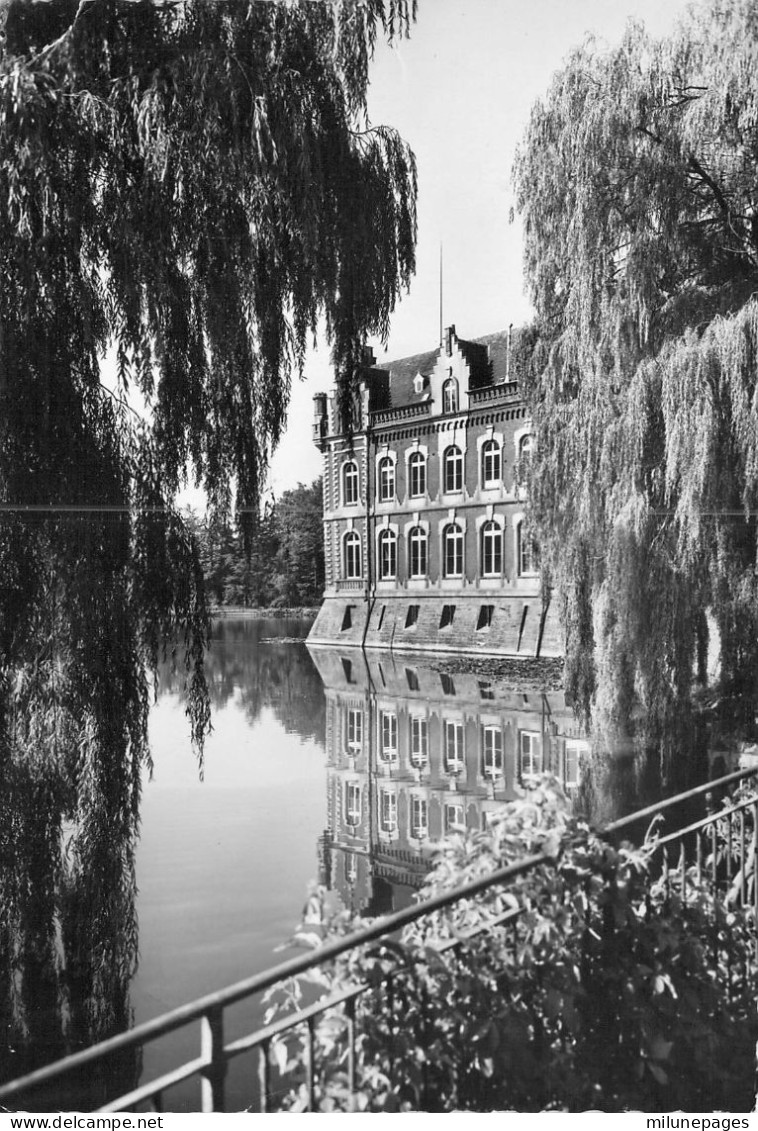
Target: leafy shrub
x,y
611,987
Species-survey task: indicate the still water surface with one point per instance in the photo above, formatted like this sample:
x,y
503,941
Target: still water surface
x,y
224,863
321,765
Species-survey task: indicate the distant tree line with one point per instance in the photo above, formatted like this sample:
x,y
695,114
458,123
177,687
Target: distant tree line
x,y
282,567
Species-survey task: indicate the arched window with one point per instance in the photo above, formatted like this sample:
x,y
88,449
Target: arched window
x,y
417,475
452,550
452,469
492,468
350,484
526,549
351,555
417,555
450,395
525,448
387,554
386,480
492,550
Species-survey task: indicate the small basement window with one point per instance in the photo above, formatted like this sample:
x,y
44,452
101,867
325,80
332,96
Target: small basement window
x,y
448,687
447,616
486,613
381,618
347,618
411,616
412,679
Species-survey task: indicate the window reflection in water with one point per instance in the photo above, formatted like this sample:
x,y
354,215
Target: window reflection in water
x,y
414,755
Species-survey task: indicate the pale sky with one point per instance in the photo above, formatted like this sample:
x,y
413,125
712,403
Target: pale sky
x,y
459,91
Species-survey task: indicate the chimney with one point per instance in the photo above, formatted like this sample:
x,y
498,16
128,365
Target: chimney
x,y
368,359
449,339
508,353
319,418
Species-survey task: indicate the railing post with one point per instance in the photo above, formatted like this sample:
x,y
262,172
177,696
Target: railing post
x,y
350,1018
212,1052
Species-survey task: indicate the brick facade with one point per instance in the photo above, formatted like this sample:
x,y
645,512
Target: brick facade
x,y
424,529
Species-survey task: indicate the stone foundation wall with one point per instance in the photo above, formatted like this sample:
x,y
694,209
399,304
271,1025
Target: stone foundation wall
x,y
476,625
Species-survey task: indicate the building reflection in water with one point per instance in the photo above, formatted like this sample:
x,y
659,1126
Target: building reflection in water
x,y
414,755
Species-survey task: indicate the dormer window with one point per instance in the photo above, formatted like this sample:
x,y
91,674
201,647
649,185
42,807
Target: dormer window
x,y
450,395
418,384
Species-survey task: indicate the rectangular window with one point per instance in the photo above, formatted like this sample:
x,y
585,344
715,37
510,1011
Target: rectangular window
x,y
388,810
389,736
454,818
419,742
484,619
354,731
352,803
485,690
447,616
419,816
453,754
411,679
492,751
530,755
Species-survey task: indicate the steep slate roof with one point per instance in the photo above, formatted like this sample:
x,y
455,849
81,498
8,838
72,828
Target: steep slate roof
x,y
487,359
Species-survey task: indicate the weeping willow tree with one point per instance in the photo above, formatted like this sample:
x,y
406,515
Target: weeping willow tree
x,y
188,188
637,181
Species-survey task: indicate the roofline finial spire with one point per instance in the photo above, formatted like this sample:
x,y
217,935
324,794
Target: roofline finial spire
x,y
442,325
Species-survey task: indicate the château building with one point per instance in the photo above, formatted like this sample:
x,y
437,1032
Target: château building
x,y
425,535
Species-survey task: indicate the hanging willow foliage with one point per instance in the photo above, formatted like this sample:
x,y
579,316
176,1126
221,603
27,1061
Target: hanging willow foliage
x,y
637,181
191,186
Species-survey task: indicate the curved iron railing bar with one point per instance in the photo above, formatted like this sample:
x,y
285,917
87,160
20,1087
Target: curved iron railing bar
x,y
670,802
258,983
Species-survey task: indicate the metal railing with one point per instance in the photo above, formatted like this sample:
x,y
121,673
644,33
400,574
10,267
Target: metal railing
x,y
721,842
722,845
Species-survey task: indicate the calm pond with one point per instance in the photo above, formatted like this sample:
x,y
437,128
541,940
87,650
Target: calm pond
x,y
322,766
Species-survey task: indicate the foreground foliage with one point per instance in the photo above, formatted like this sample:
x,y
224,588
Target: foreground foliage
x,y
613,993
637,182
188,187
